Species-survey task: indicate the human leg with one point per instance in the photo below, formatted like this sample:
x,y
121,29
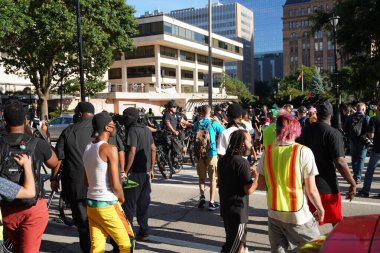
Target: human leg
x,y
361,159
373,160
298,235
354,158
143,202
277,238
79,213
235,235
98,235
202,171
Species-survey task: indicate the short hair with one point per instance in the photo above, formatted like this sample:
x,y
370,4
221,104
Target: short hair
x,y
205,109
287,128
359,106
244,113
14,115
236,142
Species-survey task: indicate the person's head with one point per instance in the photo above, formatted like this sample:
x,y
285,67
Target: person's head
x,y
325,112
103,126
172,106
264,109
250,109
361,107
240,143
302,110
312,111
288,107
234,113
83,110
130,116
218,110
150,110
181,110
287,128
346,110
14,117
205,111
245,115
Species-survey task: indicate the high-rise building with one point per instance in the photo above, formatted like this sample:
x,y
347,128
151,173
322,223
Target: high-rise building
x,y
300,46
233,21
268,65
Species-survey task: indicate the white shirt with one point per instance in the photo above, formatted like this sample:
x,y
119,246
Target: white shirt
x,y
309,169
99,185
224,139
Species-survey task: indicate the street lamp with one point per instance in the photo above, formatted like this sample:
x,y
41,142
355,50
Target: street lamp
x,y
80,51
334,22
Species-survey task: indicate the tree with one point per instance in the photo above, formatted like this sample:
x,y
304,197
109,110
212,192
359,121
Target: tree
x,y
316,85
235,87
39,38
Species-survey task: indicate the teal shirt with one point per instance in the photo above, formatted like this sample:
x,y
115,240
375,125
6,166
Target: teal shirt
x,y
214,129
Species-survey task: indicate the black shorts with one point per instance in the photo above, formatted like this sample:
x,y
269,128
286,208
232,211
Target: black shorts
x,y
236,234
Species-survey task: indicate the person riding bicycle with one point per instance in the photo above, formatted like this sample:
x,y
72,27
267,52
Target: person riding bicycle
x,y
170,125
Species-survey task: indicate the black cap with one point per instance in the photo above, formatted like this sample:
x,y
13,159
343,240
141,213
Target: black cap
x,y
99,121
217,108
302,109
85,107
172,104
234,111
324,109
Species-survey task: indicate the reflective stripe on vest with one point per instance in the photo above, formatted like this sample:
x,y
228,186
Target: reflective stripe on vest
x,y
283,178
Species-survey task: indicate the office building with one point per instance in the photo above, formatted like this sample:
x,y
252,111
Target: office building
x,y
268,65
170,62
300,46
232,21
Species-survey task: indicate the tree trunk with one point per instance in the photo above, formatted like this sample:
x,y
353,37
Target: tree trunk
x,y
43,105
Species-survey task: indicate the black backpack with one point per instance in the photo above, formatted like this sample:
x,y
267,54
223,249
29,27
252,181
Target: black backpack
x,y
10,170
357,125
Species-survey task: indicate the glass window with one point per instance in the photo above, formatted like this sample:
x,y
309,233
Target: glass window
x,y
187,74
140,52
302,11
291,13
116,55
114,73
168,52
187,56
201,76
202,59
217,62
182,32
168,72
56,121
142,71
67,120
308,10
151,28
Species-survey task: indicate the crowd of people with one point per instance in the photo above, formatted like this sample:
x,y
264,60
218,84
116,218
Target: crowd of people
x,y
292,154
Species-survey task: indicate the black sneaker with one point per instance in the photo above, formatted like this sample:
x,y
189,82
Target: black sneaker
x,y
363,194
212,206
202,202
142,237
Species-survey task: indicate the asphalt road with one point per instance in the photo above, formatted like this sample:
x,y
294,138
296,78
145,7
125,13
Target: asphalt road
x,y
177,225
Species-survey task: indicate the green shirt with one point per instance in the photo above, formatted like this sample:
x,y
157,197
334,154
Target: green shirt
x,y
269,134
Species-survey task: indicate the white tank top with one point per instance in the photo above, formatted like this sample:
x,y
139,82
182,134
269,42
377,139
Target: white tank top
x,y
99,185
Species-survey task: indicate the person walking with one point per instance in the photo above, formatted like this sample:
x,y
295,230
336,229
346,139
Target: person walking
x,y
236,182
373,134
25,223
105,193
327,145
356,126
287,170
140,160
207,162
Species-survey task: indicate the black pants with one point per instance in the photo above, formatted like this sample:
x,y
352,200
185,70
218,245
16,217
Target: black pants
x,y
235,234
79,213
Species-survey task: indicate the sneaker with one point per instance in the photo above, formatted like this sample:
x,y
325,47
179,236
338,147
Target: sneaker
x,y
212,206
358,181
202,202
142,237
363,194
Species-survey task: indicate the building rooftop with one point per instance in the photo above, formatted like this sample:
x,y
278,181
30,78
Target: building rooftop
x,y
288,2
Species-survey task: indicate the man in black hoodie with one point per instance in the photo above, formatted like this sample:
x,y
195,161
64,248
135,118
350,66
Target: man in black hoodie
x,y
139,166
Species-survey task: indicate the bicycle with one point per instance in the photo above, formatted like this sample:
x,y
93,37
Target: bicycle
x,y
189,146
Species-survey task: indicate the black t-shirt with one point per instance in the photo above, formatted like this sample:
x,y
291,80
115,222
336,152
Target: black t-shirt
x,y
70,147
327,144
233,174
172,118
374,127
140,138
262,118
43,150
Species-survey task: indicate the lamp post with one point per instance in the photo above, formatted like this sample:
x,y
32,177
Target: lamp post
x,y
210,81
80,51
334,22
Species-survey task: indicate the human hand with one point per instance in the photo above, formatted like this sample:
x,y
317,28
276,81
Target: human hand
x,y
254,173
24,161
351,192
54,185
319,215
151,174
176,133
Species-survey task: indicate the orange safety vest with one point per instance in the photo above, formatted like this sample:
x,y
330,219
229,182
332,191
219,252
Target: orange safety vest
x,y
283,177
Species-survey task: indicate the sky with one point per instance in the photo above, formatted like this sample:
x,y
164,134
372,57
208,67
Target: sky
x,y
166,6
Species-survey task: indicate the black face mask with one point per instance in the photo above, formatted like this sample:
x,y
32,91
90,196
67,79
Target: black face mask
x,y
76,118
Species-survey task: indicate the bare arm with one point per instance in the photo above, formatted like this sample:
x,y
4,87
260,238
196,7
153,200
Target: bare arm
x,y
130,159
313,195
112,160
28,190
341,165
54,184
121,156
152,159
52,162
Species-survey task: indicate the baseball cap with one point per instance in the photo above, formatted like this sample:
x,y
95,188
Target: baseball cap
x,y
172,104
302,109
99,121
324,109
85,107
234,111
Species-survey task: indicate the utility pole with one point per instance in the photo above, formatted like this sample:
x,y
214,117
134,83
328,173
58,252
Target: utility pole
x,y
210,84
80,52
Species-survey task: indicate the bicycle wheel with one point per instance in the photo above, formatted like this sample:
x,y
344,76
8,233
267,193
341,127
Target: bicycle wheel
x,y
65,212
7,244
171,163
178,165
161,164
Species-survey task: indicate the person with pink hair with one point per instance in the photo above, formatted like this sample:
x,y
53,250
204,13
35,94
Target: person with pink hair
x,y
287,171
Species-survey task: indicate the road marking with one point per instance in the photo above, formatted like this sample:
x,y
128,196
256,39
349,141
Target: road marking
x,y
193,245
264,194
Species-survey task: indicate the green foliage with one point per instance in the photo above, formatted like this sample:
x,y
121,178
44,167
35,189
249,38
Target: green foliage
x,y
235,87
40,39
316,85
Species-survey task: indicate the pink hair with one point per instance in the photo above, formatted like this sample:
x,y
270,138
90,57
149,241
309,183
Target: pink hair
x,y
287,128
